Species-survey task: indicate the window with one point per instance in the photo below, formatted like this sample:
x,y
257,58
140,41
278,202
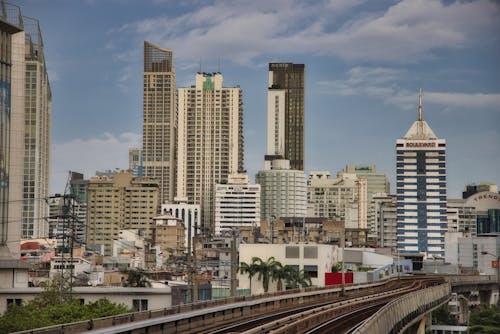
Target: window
x,y
310,252
312,271
14,301
140,305
292,252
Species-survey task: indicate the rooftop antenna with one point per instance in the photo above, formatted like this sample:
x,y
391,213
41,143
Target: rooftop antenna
x,y
420,105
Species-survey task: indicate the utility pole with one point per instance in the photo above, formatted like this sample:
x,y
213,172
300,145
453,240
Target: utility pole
x,y
234,265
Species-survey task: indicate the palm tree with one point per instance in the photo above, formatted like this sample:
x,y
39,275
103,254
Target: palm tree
x,y
298,278
264,270
250,269
280,273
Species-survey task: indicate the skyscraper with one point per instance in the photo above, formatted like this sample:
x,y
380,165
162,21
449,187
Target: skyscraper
x,y
37,121
210,141
12,89
421,190
159,119
285,113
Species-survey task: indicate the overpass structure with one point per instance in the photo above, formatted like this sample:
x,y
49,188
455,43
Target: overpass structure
x,y
391,306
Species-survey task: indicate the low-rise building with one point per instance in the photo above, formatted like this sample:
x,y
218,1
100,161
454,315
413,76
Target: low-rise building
x,y
314,259
169,235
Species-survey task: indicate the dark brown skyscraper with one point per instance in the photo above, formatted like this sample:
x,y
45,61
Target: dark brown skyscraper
x,y
289,77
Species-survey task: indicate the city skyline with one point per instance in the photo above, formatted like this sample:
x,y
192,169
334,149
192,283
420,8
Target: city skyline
x,y
361,91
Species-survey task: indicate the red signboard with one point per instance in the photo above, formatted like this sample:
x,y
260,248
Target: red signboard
x,y
336,278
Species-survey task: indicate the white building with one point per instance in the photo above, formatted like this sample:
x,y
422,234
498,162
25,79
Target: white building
x,y
130,244
283,191
344,197
314,259
382,220
64,265
460,217
210,141
421,189
237,203
479,253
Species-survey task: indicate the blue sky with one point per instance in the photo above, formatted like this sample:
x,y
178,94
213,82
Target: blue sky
x,y
365,61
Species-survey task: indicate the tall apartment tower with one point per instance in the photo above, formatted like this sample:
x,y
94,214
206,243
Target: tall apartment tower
x,y
421,190
285,113
159,119
210,141
37,121
12,90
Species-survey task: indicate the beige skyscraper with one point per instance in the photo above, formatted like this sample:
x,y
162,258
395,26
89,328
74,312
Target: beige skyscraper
x,y
37,121
159,119
210,141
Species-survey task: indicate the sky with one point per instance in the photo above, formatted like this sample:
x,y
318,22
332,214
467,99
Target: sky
x,y
365,62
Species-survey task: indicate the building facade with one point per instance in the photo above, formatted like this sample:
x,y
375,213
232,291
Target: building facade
x,y
237,204
135,161
12,90
421,190
159,119
37,120
210,141
283,191
189,215
286,113
119,203
382,221
344,198
67,222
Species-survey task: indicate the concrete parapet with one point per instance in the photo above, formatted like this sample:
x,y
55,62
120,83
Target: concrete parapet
x,y
399,313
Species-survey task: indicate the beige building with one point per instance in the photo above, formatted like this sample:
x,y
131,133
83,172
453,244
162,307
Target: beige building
x,y
169,234
37,120
117,203
344,198
210,141
159,119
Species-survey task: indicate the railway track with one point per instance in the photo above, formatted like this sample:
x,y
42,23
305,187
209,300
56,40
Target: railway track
x,y
344,308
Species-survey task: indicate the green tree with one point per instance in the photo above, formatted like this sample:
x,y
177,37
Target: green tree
x,y
441,316
48,309
485,320
280,273
337,267
264,270
298,278
137,278
250,270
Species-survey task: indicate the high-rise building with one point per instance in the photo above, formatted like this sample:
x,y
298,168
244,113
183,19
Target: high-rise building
x,y
135,161
237,203
341,198
210,141
117,203
159,119
285,113
283,191
376,183
12,90
37,120
421,189
382,221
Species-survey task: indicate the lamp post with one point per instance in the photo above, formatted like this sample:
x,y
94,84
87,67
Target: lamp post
x,y
498,265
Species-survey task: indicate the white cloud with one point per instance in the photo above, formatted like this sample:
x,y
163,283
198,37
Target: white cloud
x,y
87,156
385,84
242,31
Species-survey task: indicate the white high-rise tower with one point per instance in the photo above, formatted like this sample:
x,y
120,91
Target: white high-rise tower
x,y
210,141
421,190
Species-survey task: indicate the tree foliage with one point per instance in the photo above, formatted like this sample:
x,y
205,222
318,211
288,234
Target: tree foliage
x,y
272,270
485,320
51,308
137,279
